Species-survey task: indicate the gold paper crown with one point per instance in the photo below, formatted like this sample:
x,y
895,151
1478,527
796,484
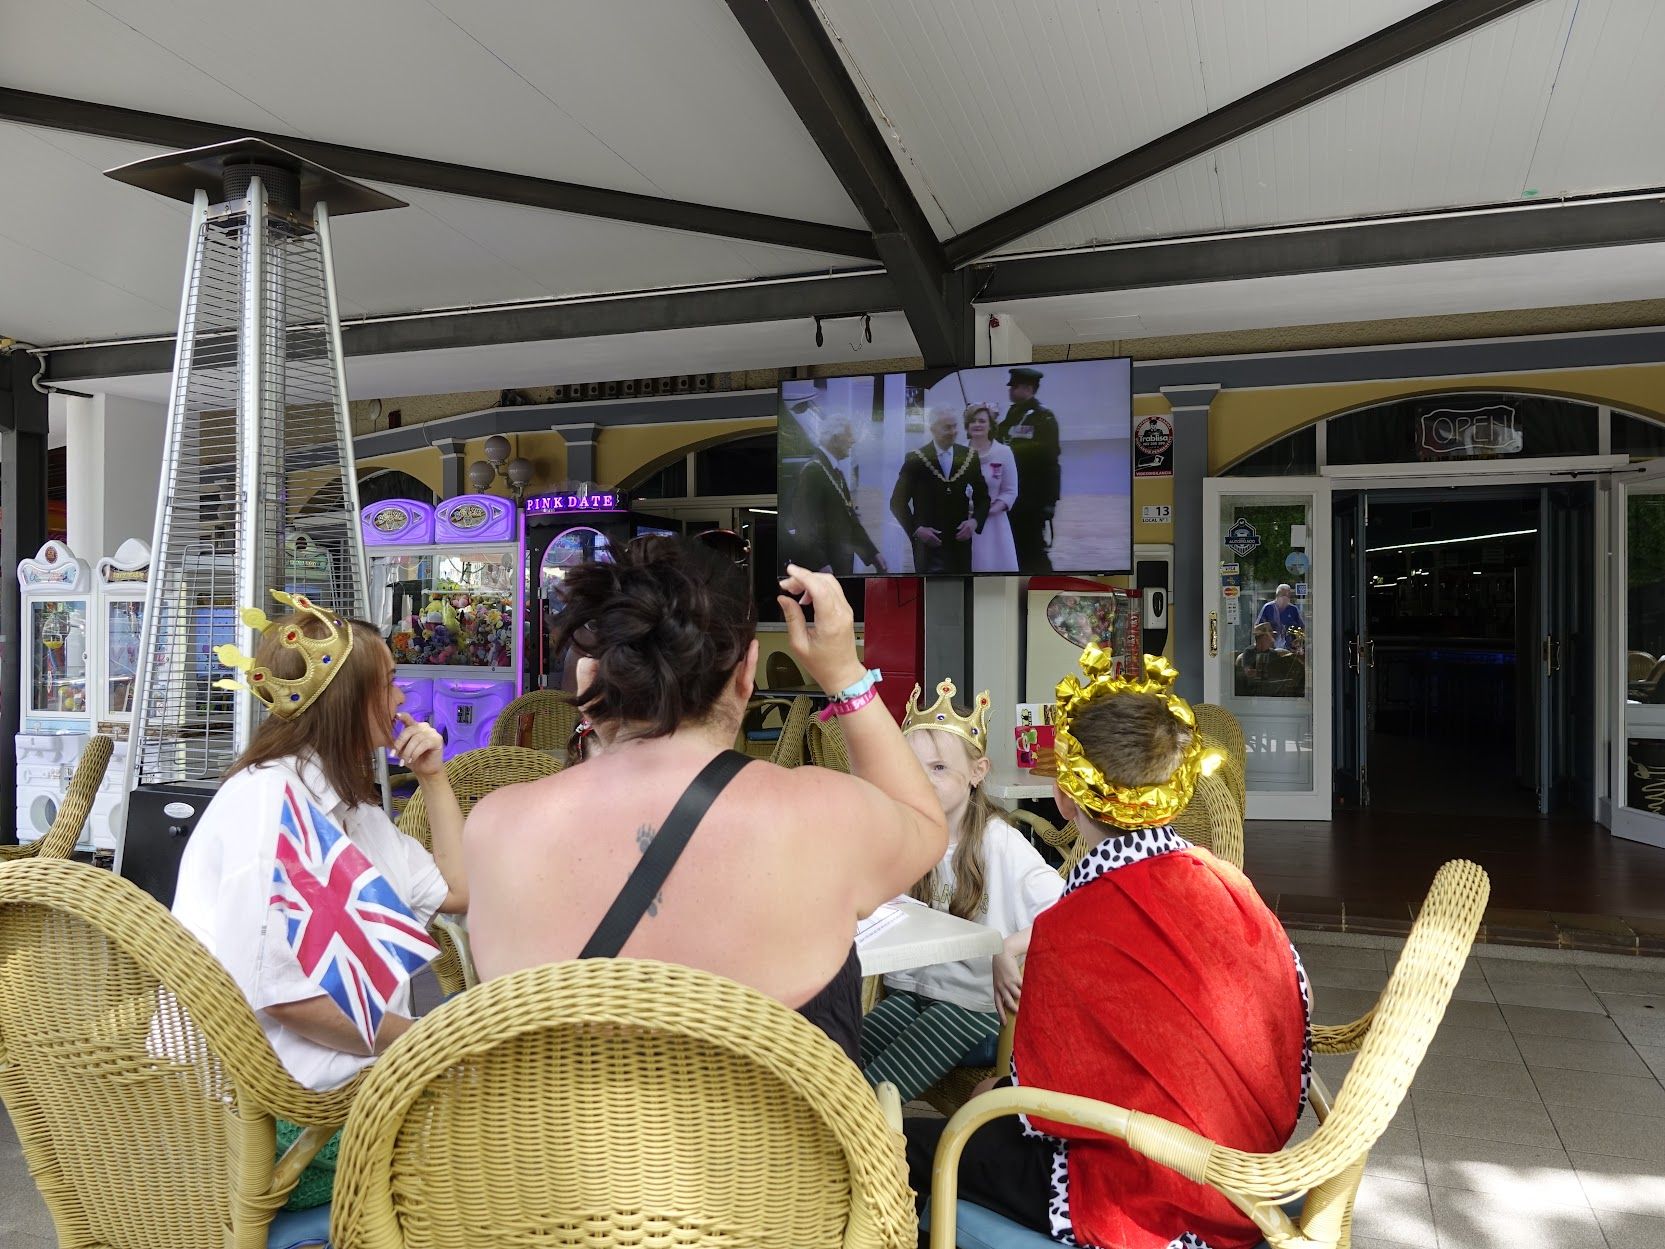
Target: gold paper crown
x,y
1126,806
940,715
324,657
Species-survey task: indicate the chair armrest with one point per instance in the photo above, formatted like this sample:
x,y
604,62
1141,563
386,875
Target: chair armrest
x,y
890,1104
465,953
287,1173
1342,1038
14,854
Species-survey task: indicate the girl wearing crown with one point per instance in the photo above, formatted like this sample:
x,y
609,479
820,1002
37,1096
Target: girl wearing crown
x,y
935,1018
295,879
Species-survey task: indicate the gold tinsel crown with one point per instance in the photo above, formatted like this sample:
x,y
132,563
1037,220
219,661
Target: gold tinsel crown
x,y
324,657
1126,806
940,715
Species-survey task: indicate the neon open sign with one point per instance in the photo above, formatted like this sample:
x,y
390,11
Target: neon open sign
x,y
553,504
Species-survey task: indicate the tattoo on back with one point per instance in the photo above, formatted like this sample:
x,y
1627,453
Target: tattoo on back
x,y
644,838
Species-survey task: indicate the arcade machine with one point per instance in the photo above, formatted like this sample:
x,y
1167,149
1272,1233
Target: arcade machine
x,y
445,586
560,531
121,581
57,612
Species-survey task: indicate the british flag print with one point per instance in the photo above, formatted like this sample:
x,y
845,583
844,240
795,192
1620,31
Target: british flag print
x,y
354,937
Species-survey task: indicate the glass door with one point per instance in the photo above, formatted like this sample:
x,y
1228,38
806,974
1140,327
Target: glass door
x,y
1566,647
1267,650
1638,752
1354,653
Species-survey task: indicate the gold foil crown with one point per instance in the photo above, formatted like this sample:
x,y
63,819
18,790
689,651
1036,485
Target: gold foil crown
x,y
1126,806
324,657
940,715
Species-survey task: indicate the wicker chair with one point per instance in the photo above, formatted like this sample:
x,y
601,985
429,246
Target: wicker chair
x,y
1213,820
605,1102
793,745
139,1081
827,748
473,774
1327,1166
1224,732
59,841
538,720
754,726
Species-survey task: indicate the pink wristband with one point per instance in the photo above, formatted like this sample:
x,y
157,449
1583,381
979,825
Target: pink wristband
x,y
846,707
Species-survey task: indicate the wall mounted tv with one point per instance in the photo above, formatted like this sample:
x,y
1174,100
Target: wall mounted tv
x,y
1017,471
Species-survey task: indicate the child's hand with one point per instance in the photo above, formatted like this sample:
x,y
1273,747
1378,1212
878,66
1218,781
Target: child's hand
x,y
1008,983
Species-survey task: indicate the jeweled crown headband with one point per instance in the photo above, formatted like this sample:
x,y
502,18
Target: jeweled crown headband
x,y
1126,806
324,657
940,715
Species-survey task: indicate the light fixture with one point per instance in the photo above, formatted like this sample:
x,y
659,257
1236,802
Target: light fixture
x,y
518,471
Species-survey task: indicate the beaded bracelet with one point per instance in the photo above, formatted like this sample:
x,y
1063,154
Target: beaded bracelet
x,y
846,706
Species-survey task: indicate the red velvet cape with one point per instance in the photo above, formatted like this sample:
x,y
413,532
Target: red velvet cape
x,y
1165,986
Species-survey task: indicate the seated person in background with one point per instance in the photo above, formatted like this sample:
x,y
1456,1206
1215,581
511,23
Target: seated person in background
x,y
1159,982
934,1017
769,888
1254,666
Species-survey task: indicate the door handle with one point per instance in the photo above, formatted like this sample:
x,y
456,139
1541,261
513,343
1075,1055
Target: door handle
x,y
1213,634
1351,650
1370,653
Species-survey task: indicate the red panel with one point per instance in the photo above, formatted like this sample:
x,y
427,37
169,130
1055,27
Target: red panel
x,y
895,637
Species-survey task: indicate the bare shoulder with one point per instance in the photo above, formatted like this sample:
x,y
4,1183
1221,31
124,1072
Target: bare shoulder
x,y
506,809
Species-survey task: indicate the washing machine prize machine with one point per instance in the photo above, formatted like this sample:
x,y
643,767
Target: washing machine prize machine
x,y
119,581
445,586
57,602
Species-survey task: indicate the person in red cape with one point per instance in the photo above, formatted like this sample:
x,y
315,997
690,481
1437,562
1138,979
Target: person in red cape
x,y
1160,982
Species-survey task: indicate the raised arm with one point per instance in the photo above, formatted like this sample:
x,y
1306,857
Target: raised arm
x,y
888,823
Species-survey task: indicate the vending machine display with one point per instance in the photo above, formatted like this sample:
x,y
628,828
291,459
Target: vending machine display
x,y
57,602
447,590
120,581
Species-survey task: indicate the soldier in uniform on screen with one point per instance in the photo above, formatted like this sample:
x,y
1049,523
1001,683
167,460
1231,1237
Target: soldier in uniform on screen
x,y
824,532
941,499
1031,431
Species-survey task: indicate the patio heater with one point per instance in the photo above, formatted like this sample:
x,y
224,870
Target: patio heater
x,y
258,489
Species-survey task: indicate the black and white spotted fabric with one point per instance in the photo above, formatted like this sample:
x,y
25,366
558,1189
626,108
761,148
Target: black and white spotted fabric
x,y
1135,846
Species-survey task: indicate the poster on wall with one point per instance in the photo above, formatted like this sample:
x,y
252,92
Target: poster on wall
x,y
1153,447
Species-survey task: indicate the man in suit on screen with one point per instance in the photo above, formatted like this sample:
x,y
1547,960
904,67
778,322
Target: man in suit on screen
x,y
941,499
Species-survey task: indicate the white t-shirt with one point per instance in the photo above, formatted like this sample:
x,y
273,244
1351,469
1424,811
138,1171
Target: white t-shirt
x,y
225,898
1019,886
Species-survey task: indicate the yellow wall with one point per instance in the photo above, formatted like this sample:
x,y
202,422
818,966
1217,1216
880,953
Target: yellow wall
x,y
625,450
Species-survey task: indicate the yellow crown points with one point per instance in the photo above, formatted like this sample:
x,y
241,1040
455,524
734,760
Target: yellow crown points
x,y
972,728
323,655
1125,806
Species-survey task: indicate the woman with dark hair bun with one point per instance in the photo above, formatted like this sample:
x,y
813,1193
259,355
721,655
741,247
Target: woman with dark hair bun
x,y
603,860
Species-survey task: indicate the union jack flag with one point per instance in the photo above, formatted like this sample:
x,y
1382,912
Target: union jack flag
x,y
353,936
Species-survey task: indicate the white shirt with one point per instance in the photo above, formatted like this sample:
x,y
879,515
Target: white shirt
x,y
225,891
945,459
1019,885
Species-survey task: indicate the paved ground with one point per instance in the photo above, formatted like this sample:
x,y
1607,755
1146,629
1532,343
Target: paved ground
x,y
1537,1120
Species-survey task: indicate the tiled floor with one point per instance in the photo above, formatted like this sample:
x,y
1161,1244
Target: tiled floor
x,y
1537,1121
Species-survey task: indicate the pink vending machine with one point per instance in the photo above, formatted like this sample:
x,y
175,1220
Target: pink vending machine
x,y
446,588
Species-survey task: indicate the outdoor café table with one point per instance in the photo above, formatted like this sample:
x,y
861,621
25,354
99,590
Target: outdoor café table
x,y
920,936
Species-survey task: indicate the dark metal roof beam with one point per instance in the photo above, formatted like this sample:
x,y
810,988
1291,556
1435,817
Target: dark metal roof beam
x,y
132,125
643,313
1419,33
1512,231
796,49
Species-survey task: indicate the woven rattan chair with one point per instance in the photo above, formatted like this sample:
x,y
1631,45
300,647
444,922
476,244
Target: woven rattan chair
x,y
793,746
538,720
1223,731
59,841
139,1081
605,1102
473,774
753,739
1213,820
827,748
1327,1166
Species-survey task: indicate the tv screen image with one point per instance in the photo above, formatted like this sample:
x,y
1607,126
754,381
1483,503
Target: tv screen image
x,y
1011,470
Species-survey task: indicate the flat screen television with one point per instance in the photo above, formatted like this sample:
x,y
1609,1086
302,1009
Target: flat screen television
x,y
1016,470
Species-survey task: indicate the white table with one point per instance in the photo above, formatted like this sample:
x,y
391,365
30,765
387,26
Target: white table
x,y
923,937
1013,789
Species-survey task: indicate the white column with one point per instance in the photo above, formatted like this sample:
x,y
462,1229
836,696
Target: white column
x,y
83,423
113,463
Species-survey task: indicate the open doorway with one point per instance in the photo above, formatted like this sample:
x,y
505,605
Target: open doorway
x,y
1467,645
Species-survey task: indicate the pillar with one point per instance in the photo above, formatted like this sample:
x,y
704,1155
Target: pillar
x,y
453,467
113,460
1190,405
23,435
581,443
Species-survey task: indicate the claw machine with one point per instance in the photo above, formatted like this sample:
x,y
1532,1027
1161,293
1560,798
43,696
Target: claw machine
x,y
57,612
445,587
119,581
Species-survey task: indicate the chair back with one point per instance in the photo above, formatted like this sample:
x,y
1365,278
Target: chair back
x,y
473,774
1330,1163
538,720
60,840
1222,731
1638,664
754,739
140,1084
782,672
618,1101
1213,820
827,748
793,745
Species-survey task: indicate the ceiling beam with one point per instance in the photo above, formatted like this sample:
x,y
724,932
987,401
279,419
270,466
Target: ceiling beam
x,y
1615,221
789,37
160,130
1411,37
646,312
